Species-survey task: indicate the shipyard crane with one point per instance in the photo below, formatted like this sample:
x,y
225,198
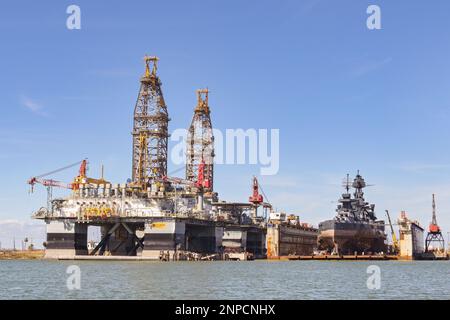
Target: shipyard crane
x,y
394,237
256,198
434,231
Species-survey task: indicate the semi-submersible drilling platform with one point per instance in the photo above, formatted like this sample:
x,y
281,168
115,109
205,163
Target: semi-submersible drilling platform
x,y
155,216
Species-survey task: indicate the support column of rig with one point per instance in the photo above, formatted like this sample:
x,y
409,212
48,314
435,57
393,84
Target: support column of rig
x,y
150,129
200,143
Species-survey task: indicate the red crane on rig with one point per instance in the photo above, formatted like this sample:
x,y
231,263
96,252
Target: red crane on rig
x,y
50,183
255,198
82,178
202,183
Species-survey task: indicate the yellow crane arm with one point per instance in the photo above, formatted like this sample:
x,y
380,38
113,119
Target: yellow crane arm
x,y
394,237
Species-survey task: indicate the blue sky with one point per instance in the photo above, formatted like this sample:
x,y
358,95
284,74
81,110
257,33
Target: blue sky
x,y
344,97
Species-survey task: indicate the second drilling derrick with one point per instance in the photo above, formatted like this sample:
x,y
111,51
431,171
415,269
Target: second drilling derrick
x,y
150,129
200,143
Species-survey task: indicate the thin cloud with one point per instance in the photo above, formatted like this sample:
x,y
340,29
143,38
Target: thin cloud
x,y
424,167
309,5
278,181
84,98
297,10
113,72
370,67
32,106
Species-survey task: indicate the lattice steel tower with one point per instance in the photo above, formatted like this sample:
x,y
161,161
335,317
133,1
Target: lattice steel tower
x,y
434,235
150,129
200,142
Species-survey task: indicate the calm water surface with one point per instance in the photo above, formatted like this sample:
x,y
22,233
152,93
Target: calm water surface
x,y
224,280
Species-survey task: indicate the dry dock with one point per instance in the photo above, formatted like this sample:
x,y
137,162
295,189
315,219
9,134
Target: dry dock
x,y
336,257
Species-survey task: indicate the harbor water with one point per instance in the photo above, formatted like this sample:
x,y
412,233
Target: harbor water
x,y
43,279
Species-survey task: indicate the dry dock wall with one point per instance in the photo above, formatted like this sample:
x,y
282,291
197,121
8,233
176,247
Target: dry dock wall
x,y
411,241
285,241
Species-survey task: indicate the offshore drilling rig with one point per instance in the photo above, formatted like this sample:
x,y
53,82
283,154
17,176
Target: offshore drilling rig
x,y
160,217
154,216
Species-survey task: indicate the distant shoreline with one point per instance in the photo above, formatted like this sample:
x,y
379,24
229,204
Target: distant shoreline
x,y
21,254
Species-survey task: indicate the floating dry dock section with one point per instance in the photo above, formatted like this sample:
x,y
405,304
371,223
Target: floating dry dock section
x,y
338,258
156,216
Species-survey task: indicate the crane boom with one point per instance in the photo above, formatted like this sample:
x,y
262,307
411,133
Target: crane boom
x,y
52,183
80,179
202,181
60,169
176,180
394,237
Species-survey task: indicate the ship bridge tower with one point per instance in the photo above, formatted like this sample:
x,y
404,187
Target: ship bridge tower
x,y
434,232
150,129
359,184
200,143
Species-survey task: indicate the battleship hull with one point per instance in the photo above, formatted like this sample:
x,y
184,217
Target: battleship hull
x,y
351,237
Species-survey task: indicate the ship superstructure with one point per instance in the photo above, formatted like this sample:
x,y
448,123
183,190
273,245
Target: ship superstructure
x,y
355,228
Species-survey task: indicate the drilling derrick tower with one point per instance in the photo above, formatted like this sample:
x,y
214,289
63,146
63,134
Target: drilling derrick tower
x,y
434,232
150,129
200,144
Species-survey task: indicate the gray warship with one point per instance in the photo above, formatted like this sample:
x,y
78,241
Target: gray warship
x,y
355,228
